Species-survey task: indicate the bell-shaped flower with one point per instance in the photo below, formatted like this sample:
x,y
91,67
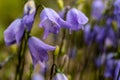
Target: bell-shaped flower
x,y
29,13
14,33
51,22
76,19
60,76
97,9
38,50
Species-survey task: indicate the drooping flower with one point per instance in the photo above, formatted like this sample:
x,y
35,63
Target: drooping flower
x,y
76,19
14,33
29,13
97,9
38,50
51,22
60,76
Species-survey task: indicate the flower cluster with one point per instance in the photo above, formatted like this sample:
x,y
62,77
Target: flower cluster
x,y
112,66
105,35
15,32
51,21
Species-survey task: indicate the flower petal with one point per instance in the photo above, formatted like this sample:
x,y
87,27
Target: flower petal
x,y
38,49
76,18
14,32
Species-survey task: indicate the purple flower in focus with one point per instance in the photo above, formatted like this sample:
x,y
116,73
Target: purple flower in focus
x,y
14,33
38,50
76,19
60,76
51,22
97,9
29,13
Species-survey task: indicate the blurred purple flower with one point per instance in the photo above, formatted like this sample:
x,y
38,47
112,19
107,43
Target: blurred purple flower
x,y
101,35
100,60
60,76
110,66
109,69
76,19
106,37
51,22
89,34
117,7
111,38
97,9
117,71
38,50
14,32
117,11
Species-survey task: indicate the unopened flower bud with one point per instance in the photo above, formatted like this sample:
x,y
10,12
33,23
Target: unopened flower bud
x,y
29,7
60,4
65,61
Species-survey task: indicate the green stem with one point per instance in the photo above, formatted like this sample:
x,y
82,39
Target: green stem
x,y
23,55
19,57
52,70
